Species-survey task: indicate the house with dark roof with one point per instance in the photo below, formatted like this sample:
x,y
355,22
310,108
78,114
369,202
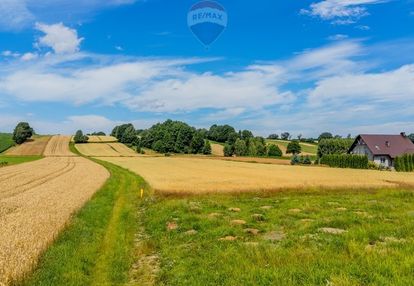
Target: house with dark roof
x,y
382,149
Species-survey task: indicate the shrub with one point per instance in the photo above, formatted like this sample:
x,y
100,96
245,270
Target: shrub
x,y
306,160
295,160
345,161
372,166
274,151
294,148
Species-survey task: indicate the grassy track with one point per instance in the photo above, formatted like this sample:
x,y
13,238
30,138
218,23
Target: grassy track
x,y
97,247
306,147
6,141
291,247
13,160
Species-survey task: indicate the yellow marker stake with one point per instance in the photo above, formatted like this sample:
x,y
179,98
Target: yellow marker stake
x,y
142,193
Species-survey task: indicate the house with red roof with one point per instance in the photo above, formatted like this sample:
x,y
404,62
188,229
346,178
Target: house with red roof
x,y
382,149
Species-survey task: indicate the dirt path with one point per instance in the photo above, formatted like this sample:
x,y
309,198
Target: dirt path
x,y
37,200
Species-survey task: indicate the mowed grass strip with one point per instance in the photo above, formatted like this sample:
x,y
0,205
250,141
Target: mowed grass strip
x,y
97,247
343,237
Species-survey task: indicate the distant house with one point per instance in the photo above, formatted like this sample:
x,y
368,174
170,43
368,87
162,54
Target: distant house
x,y
382,149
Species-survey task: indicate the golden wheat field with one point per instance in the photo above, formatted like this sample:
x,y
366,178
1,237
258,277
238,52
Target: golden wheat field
x,y
190,175
105,150
37,200
34,146
101,139
58,146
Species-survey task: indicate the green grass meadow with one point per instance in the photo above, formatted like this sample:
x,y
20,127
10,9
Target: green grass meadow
x,y
292,247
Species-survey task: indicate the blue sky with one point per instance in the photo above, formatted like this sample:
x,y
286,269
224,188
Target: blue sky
x,y
344,66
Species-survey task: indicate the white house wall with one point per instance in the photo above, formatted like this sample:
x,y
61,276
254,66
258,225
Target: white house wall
x,y
363,150
386,159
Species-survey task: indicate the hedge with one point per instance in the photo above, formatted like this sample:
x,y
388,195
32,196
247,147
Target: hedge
x,y
404,163
345,161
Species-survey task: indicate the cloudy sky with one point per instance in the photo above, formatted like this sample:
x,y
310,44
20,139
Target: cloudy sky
x,y
344,66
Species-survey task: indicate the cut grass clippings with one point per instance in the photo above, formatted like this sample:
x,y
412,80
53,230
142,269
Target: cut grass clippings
x,y
97,248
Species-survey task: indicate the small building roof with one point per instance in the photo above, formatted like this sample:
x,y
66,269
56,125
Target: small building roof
x,y
391,145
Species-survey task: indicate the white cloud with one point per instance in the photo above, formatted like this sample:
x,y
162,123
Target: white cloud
x,y
340,12
338,37
379,88
59,38
328,88
14,15
10,54
20,14
29,56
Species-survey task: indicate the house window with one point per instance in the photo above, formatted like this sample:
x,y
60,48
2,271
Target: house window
x,y
382,160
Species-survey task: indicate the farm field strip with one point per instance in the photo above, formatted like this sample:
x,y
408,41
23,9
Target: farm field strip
x,y
37,200
35,146
101,139
58,146
123,149
191,175
106,150
32,178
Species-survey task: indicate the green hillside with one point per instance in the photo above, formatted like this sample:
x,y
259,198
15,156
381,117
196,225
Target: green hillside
x,y
6,141
306,147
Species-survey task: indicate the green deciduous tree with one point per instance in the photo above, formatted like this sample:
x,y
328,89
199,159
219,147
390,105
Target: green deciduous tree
x,y
22,132
207,148
228,150
129,135
274,151
325,135
294,148
197,143
285,136
240,147
80,138
334,146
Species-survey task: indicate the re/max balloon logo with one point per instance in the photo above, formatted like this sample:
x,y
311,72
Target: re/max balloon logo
x,y
207,20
